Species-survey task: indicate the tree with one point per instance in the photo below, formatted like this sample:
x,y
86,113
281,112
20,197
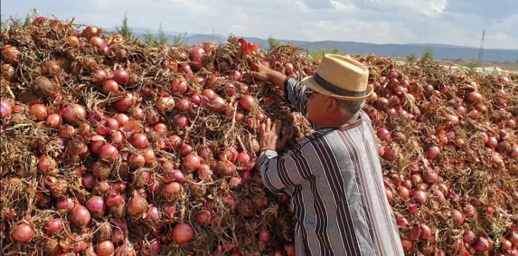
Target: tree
x,y
334,50
273,43
149,39
162,38
178,41
125,30
28,20
427,55
411,57
3,23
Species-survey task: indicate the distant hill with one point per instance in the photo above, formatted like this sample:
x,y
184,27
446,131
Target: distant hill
x,y
440,51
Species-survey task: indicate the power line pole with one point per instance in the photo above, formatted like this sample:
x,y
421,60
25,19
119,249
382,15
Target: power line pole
x,y
481,50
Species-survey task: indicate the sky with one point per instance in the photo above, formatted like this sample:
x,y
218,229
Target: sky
x,y
454,22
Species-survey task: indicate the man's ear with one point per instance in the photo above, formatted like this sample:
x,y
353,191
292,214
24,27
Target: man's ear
x,y
331,104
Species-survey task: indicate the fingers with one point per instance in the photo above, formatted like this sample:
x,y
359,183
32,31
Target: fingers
x,y
268,124
278,127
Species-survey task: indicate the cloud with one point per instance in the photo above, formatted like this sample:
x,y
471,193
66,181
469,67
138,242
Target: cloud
x,y
427,7
374,21
318,4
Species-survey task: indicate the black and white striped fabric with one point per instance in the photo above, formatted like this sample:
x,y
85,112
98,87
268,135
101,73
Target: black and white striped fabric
x,y
335,180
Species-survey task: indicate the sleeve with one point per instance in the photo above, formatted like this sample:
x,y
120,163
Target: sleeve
x,y
280,172
295,94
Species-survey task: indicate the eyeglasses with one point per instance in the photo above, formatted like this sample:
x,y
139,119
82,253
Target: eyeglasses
x,y
308,92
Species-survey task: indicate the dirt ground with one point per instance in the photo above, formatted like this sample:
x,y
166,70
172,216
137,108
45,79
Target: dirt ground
x,y
505,66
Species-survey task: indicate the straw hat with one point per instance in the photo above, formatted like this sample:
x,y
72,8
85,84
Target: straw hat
x,y
340,77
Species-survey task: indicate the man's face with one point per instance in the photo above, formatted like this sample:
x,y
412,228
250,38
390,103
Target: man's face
x,y
316,106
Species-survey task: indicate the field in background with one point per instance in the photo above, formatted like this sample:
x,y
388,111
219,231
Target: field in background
x,y
485,65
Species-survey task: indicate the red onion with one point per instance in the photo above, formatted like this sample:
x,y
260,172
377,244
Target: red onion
x,y
108,153
172,191
430,176
179,85
138,140
265,235
243,158
234,182
126,249
11,54
110,86
136,161
474,97
54,121
419,196
149,155
492,142
197,101
113,198
105,248
96,205
79,216
53,225
121,76
38,112
124,104
196,53
191,162
98,76
182,233
137,205
64,204
217,104
384,134
432,152
205,217
46,163
165,104
6,108
121,118
74,113
247,102
481,244
160,128
458,218
97,42
88,180
468,236
183,105
22,233
180,121
152,213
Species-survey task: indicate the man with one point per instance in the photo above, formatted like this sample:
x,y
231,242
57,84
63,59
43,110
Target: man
x,y
333,176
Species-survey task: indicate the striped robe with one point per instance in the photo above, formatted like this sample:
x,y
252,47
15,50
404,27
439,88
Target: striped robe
x,y
335,180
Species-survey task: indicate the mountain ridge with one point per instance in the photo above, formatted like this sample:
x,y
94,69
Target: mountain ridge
x,y
440,51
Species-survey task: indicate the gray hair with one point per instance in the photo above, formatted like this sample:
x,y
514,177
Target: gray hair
x,y
350,107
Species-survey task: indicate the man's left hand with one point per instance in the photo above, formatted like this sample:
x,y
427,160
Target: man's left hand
x,y
270,133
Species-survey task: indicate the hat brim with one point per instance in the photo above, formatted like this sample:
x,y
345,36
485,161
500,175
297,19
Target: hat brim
x,y
313,85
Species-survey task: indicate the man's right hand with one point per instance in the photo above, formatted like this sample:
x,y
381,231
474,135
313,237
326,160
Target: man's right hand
x,y
261,72
266,74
